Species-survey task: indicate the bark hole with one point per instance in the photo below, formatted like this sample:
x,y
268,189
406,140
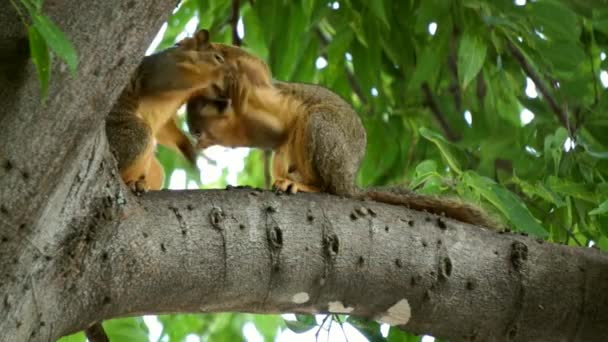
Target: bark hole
x,y
309,216
445,268
216,217
275,236
441,224
332,245
519,254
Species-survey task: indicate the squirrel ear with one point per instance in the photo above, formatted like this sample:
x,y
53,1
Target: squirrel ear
x,y
202,38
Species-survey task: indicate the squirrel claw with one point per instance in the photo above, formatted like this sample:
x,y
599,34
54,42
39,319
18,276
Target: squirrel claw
x,y
285,185
138,187
291,187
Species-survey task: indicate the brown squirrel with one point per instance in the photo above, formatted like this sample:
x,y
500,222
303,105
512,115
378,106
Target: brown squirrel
x,y
145,112
317,138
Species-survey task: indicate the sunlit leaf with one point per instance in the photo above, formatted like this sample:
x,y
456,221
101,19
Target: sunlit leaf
x,y
601,209
132,329
443,146
471,57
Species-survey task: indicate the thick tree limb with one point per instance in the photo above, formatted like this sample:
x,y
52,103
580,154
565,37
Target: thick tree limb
x,y
252,251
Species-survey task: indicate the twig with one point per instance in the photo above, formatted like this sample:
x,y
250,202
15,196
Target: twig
x,y
209,160
337,318
570,235
432,104
453,67
349,75
331,321
321,327
234,21
96,333
561,114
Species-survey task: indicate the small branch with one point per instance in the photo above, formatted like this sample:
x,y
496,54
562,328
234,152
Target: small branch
x,y
453,67
234,21
96,333
561,114
432,104
349,75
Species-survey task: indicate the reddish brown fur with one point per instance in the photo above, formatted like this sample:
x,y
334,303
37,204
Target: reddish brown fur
x,y
146,110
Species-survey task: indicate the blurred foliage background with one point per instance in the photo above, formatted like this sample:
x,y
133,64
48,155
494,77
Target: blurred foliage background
x,y
501,102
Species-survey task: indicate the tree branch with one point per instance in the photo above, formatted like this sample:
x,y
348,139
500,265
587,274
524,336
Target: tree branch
x,y
252,251
453,68
438,114
562,115
352,80
96,333
234,21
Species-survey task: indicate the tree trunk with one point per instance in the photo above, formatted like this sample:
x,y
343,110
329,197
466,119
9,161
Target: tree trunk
x,y
77,247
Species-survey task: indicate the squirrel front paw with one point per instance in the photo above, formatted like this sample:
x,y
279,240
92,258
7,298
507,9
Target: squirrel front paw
x,y
139,186
289,186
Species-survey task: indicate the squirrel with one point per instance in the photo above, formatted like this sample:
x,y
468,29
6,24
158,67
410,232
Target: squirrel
x,y
317,137
145,112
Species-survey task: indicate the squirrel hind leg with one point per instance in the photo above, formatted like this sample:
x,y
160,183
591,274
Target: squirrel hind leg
x,y
336,156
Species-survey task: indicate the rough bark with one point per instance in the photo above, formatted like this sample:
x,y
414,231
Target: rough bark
x,y
76,247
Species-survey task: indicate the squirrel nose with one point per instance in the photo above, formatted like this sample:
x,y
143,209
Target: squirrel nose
x,y
218,58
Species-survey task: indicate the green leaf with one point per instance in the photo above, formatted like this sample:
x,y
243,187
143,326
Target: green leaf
x,y
541,191
443,146
56,41
554,20
397,335
377,8
132,329
369,329
570,188
601,209
177,327
77,337
268,325
428,64
511,206
41,58
303,323
471,56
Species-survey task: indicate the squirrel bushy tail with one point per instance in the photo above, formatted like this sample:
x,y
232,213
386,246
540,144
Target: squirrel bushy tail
x,y
452,208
